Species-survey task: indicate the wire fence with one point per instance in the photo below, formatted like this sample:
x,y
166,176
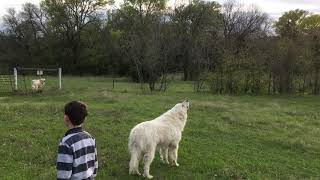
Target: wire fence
x,y
6,84
20,82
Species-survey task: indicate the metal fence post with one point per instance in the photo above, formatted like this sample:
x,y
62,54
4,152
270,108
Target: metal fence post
x,y
60,78
15,74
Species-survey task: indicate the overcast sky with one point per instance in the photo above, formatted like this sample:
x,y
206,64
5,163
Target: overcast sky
x,y
273,7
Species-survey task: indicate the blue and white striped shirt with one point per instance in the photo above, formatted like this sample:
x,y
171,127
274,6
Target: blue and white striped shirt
x,y
77,156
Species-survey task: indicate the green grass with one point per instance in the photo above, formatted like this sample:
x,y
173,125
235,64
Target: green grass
x,y
226,137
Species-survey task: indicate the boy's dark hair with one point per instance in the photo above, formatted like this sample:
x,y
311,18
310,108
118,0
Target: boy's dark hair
x,y
76,111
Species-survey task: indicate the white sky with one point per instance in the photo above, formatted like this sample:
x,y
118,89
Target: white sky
x,y
5,4
273,7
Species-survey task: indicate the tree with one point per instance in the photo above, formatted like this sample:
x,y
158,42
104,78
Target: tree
x,y
241,26
310,32
197,26
288,25
26,29
310,24
142,24
68,19
298,24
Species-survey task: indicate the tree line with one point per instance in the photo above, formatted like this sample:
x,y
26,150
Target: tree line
x,y
227,47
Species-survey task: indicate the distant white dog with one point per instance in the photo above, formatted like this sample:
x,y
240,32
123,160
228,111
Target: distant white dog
x,y
163,133
37,84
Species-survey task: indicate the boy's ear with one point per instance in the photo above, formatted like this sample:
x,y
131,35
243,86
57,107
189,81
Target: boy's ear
x,y
67,121
66,118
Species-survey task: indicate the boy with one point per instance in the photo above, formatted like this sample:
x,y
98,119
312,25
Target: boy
x,y
77,156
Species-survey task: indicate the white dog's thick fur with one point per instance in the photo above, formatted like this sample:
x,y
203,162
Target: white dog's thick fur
x,y
37,84
163,133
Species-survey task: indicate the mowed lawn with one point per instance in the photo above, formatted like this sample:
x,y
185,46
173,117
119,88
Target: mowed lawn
x,y
226,137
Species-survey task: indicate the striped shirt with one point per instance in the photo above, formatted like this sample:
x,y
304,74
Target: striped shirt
x,y
77,156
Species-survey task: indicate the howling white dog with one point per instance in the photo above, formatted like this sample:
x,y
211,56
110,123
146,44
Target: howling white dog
x,y
163,133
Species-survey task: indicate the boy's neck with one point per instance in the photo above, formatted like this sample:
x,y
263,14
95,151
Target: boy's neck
x,y
70,126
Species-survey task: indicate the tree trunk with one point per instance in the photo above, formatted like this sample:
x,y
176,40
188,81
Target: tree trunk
x,y
274,87
246,85
221,82
269,83
316,82
185,73
151,86
304,84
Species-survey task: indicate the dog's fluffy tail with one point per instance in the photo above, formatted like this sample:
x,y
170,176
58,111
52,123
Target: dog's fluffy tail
x,y
134,162
135,153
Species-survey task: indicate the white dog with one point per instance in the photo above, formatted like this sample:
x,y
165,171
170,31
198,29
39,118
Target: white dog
x,y
37,84
163,133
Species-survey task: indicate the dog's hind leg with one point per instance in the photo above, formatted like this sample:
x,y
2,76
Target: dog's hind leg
x,y
164,154
148,158
134,162
173,154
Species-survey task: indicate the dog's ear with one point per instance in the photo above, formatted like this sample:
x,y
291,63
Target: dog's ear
x,y
183,103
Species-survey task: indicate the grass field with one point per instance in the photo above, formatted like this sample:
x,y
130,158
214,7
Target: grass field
x,y
226,137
